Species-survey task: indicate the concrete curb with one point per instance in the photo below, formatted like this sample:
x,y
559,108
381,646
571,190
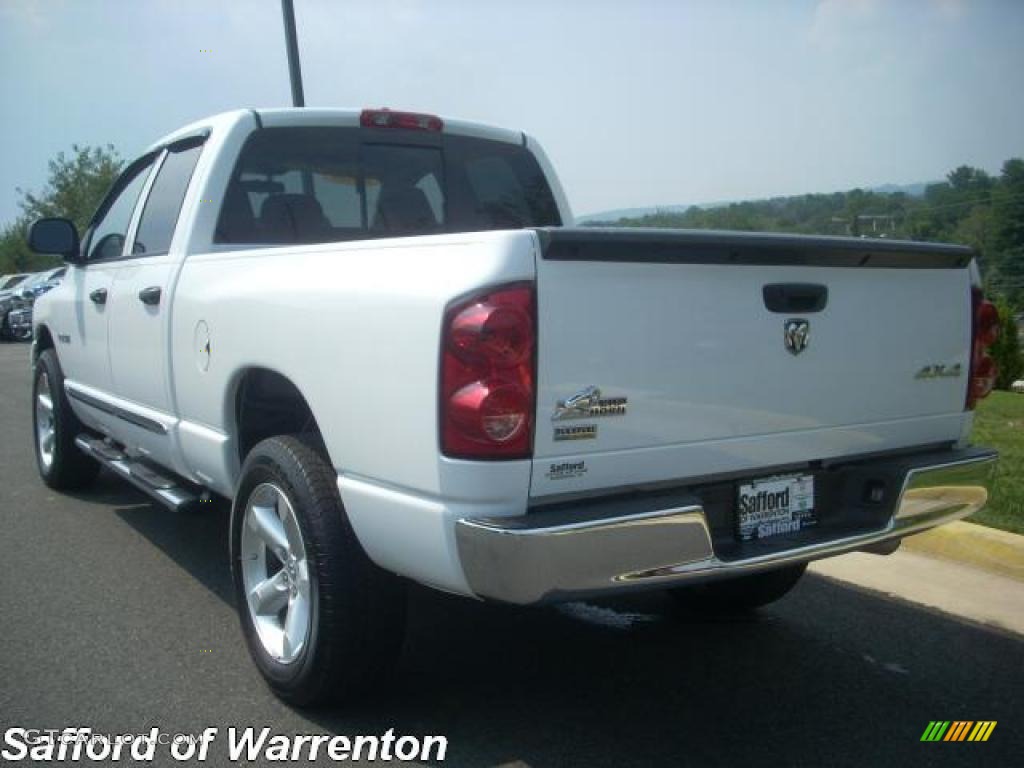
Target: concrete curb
x,y
976,545
950,587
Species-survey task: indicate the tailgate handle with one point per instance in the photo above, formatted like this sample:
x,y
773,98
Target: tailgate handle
x,y
795,297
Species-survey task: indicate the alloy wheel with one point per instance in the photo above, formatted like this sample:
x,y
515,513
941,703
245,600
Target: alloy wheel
x,y
275,573
46,432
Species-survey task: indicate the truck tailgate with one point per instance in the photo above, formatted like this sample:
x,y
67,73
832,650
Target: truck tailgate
x,y
667,355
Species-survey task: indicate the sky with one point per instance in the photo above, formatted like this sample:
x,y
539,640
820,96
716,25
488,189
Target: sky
x,y
637,103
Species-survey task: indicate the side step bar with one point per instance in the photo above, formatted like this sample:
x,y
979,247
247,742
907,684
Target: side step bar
x,y
166,490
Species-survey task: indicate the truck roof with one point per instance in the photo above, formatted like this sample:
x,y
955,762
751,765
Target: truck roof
x,y
316,116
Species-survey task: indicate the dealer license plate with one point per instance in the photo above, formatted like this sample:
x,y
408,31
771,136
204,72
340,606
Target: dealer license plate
x,y
771,506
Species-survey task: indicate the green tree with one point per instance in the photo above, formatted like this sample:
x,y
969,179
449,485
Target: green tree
x,y
1009,205
1006,351
74,188
969,180
1005,262
76,184
14,253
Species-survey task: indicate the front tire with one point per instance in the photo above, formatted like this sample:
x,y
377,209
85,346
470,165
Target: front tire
x,y
61,464
741,594
321,621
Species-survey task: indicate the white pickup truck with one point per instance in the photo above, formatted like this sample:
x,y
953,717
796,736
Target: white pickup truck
x,y
374,332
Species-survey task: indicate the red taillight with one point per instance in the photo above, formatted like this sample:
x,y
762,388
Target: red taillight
x,y
487,375
984,332
988,323
410,121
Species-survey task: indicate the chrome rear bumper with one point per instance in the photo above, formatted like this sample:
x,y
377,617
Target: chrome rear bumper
x,y
542,557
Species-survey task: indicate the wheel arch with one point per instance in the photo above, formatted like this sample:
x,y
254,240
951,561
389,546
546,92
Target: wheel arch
x,y
262,403
42,341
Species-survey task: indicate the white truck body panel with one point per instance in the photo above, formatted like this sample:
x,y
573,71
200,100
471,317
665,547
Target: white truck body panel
x,y
356,327
83,323
710,386
402,496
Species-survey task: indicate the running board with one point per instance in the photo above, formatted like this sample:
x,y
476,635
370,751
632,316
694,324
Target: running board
x,y
166,490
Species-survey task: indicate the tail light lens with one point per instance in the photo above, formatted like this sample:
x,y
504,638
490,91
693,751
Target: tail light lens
x,y
984,332
487,375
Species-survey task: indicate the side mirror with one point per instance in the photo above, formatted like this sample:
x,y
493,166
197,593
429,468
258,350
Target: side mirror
x,y
53,235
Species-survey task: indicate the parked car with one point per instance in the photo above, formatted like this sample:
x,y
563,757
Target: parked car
x,y
10,300
9,281
20,324
17,324
16,309
7,295
378,333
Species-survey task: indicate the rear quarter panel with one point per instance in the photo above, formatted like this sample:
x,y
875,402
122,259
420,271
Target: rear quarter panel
x,y
356,327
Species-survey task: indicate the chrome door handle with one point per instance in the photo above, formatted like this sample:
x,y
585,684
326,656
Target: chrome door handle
x,y
99,296
150,296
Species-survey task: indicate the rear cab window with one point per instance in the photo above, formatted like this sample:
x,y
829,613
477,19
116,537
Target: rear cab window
x,y
319,184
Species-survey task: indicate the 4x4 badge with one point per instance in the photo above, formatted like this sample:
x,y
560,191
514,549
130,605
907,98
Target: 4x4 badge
x,y
796,335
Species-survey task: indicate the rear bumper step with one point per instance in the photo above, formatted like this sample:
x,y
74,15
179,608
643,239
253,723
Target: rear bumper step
x,y
161,488
547,556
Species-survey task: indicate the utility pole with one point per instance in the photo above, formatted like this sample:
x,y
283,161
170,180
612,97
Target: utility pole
x,y
294,70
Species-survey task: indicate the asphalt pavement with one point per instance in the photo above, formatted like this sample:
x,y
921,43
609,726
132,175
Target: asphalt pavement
x,y
117,615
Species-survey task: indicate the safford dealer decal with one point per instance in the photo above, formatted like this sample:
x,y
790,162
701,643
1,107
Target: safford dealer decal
x,y
566,469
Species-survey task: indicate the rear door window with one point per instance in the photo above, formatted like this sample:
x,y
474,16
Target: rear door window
x,y
160,214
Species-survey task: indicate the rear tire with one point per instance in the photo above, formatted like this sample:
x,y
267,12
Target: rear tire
x,y
740,594
61,464
321,621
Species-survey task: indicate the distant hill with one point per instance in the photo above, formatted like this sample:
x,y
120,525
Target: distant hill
x,y
629,213
916,189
